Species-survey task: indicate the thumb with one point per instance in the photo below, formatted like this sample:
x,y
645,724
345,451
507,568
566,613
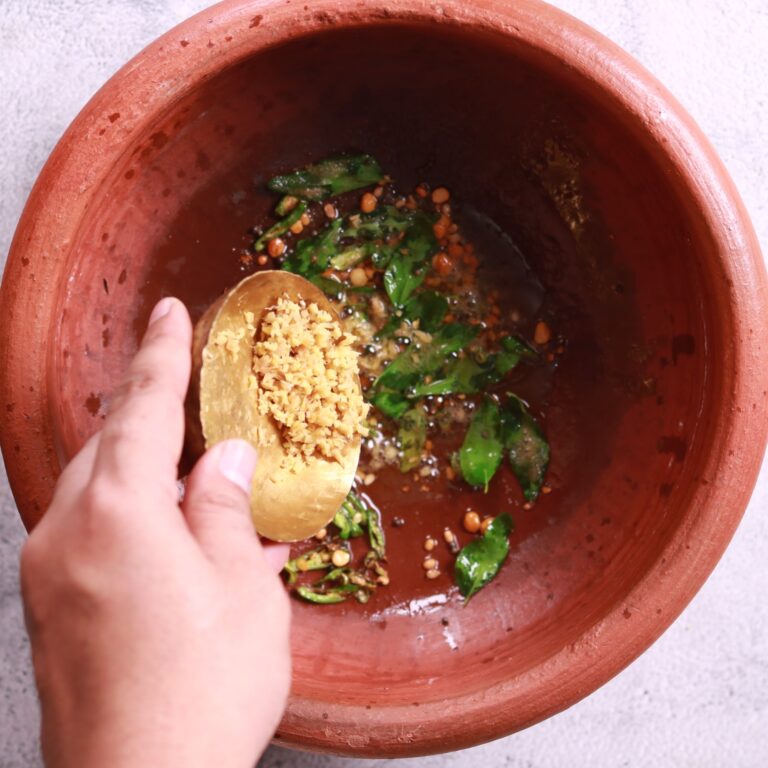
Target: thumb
x,y
217,506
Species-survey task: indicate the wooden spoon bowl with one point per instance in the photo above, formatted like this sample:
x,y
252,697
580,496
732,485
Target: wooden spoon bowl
x,y
289,501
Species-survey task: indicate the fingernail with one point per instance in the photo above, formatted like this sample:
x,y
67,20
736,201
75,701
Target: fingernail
x,y
162,308
237,462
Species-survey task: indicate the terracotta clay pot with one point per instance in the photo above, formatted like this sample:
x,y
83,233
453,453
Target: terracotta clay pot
x,y
643,249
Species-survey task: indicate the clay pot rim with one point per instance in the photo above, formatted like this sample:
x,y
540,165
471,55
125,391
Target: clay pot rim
x,y
180,59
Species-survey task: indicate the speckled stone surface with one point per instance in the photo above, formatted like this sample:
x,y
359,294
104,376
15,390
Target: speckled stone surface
x,y
699,696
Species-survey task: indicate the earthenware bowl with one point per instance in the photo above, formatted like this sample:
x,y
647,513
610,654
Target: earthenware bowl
x,y
620,207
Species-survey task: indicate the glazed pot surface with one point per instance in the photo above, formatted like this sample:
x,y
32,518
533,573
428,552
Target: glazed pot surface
x,y
639,247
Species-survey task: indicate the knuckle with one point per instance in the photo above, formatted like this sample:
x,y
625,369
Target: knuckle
x,y
87,592
100,496
61,578
78,590
138,383
210,503
123,429
106,512
164,352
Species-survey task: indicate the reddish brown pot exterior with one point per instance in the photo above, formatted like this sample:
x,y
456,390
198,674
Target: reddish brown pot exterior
x,y
537,118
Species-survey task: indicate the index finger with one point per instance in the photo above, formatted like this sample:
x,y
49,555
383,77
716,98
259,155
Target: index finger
x,y
143,434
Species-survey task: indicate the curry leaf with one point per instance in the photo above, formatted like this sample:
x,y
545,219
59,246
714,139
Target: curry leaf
x,y
420,242
313,255
391,404
411,365
409,265
512,352
382,223
381,254
402,277
526,446
480,560
451,338
329,177
403,372
463,376
482,449
429,308
468,376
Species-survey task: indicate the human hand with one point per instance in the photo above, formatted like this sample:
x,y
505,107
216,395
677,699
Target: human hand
x,y
159,636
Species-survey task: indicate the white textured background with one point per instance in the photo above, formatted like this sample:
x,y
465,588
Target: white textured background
x,y
699,697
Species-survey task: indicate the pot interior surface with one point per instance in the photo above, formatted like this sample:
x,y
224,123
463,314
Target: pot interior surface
x,y
598,221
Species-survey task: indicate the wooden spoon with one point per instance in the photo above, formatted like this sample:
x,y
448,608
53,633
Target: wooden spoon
x,y
287,503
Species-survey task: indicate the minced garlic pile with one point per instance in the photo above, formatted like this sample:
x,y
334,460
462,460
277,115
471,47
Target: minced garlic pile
x,y
305,379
